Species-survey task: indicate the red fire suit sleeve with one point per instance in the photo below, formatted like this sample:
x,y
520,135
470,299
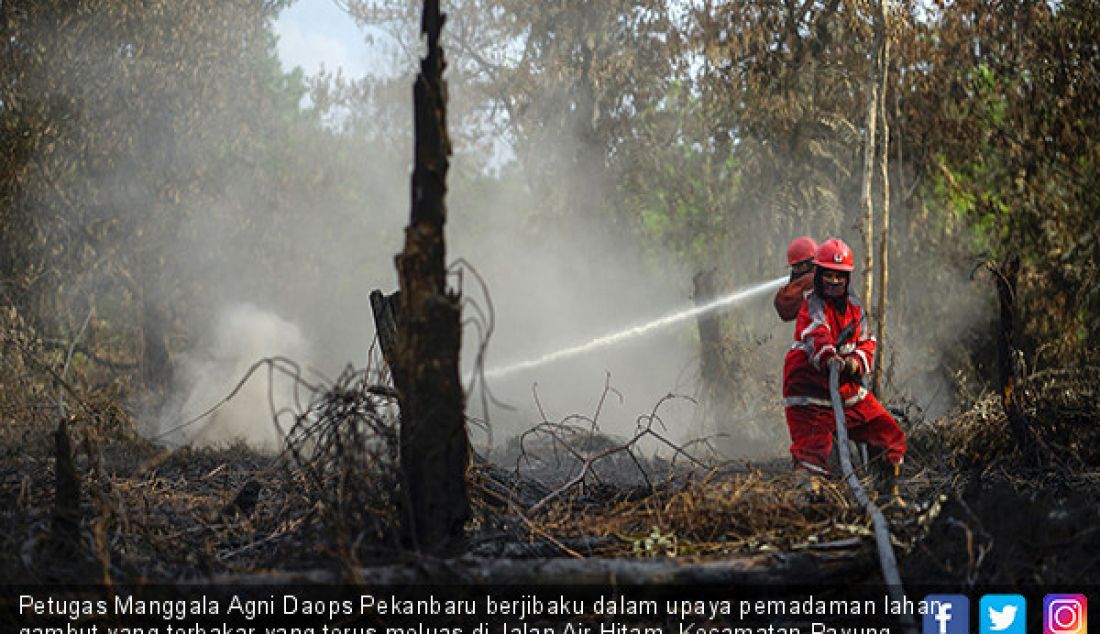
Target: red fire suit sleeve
x,y
865,343
789,298
819,326
815,332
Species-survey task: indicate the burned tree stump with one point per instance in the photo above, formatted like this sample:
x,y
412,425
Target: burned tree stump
x,y
156,363
719,365
711,362
1005,276
65,523
434,448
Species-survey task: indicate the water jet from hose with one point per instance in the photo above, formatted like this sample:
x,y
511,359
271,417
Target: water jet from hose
x,y
639,330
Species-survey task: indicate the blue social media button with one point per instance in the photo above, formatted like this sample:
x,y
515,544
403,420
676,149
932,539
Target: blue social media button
x,y
1002,614
946,614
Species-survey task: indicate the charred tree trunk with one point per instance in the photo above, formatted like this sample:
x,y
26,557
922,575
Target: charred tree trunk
x,y
65,523
720,366
711,363
156,369
1005,276
434,446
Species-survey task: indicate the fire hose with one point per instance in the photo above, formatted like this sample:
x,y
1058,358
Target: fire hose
x,y
887,561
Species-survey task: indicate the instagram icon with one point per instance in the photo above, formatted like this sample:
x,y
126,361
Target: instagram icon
x,y
1065,614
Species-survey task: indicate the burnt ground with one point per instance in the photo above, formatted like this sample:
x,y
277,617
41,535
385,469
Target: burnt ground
x,y
981,511
996,533
1017,517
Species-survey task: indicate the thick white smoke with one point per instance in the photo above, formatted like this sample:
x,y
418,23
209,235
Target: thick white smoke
x,y
241,336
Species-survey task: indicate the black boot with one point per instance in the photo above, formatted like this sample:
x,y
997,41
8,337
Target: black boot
x,y
888,476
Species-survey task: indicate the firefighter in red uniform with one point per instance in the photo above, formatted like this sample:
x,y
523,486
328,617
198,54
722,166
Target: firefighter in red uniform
x,y
800,257
828,310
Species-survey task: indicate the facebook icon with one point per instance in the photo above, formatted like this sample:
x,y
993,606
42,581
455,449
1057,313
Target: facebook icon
x,y
945,614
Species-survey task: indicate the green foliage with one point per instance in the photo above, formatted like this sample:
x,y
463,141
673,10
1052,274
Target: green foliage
x,y
679,196
1008,113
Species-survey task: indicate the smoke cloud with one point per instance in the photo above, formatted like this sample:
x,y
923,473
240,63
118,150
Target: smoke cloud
x,y
573,283
292,275
242,336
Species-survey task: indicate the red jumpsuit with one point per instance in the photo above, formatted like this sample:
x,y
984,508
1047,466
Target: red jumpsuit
x,y
806,386
789,298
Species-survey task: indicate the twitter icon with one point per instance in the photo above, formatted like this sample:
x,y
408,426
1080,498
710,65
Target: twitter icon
x,y
1002,614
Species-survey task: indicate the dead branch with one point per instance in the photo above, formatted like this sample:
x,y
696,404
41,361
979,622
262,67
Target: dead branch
x,y
588,461
283,365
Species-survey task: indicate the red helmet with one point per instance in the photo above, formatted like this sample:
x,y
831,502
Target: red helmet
x,y
800,249
834,254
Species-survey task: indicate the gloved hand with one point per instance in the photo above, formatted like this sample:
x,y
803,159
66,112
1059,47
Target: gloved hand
x,y
851,367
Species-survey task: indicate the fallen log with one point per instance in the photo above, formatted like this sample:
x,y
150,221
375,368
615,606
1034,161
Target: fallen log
x,y
802,568
538,549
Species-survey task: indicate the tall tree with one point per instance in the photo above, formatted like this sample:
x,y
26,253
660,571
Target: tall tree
x,y
883,22
871,108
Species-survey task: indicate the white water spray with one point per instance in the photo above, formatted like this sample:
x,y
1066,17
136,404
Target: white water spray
x,y
639,330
